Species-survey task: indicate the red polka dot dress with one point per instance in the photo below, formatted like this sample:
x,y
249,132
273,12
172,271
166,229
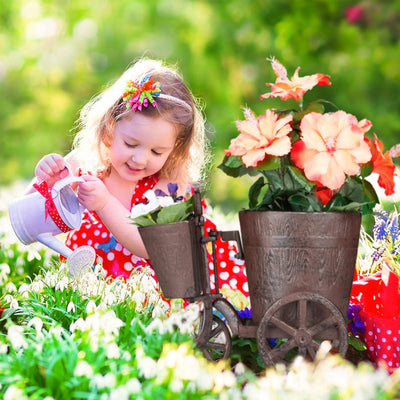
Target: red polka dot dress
x,y
118,261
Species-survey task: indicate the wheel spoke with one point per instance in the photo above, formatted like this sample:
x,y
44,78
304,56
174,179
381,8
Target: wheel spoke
x,y
284,348
302,351
283,325
312,348
216,346
302,310
321,326
217,330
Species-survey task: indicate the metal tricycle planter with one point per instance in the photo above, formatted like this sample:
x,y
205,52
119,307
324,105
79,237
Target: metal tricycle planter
x,y
300,269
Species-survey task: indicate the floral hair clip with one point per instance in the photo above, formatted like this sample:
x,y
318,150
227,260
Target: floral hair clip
x,y
138,95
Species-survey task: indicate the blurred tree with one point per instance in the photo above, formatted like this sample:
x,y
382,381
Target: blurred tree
x,y
55,55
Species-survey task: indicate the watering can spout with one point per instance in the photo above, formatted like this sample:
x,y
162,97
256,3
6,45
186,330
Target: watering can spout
x,y
53,243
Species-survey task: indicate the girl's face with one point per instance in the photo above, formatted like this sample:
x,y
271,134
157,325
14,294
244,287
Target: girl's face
x,y
141,146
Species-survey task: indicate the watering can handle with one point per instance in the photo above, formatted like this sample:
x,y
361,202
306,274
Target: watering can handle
x,y
71,178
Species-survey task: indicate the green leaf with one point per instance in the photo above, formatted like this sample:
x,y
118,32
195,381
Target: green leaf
x,y
269,163
176,212
305,202
299,177
255,191
144,220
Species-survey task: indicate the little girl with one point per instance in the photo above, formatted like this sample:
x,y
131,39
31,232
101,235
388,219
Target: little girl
x,y
141,133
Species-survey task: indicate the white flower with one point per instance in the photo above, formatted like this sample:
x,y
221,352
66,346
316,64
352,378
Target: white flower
x,y
104,381
187,368
4,269
71,307
204,380
176,385
13,303
10,287
24,289
62,283
83,368
37,323
133,385
3,348
113,351
14,393
91,307
56,330
16,337
153,204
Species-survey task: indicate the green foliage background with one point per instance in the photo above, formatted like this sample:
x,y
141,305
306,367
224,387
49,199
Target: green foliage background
x,y
56,54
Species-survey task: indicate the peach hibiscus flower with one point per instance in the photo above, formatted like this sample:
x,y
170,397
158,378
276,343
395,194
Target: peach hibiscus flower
x,y
331,147
266,135
295,87
382,165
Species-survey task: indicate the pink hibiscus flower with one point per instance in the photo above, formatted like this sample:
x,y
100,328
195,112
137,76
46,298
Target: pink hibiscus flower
x,y
295,87
266,135
331,147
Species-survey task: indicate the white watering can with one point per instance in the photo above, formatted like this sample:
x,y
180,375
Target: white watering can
x,y
38,216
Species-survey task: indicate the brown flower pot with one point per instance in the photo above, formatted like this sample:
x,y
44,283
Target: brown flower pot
x,y
289,252
172,253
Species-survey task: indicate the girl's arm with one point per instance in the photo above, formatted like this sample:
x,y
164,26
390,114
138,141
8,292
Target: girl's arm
x,y
94,195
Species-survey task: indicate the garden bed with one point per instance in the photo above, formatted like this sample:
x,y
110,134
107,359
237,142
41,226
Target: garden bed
x,y
91,338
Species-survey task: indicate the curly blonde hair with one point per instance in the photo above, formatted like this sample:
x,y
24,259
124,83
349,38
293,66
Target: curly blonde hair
x,y
97,120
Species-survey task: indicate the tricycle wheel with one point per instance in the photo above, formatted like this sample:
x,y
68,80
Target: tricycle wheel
x,y
213,337
315,319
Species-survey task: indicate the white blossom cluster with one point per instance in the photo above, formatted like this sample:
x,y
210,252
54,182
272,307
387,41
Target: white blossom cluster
x,y
154,203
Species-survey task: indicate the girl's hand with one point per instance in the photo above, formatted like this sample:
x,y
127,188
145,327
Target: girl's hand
x,y
92,193
51,168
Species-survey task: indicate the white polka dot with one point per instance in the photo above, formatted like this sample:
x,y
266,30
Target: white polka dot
x,y
128,266
235,269
383,340
246,287
100,226
110,256
84,235
104,235
90,242
389,348
389,332
221,250
378,330
225,286
384,356
74,237
233,283
224,275
222,264
74,246
96,232
126,252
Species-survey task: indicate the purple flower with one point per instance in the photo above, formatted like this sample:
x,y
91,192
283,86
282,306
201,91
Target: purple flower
x,y
355,323
394,228
381,222
172,190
